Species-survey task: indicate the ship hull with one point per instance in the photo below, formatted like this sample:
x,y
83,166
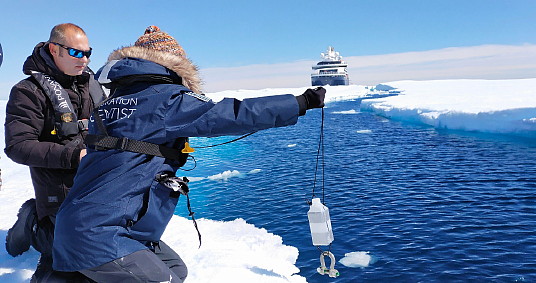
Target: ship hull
x,y
329,80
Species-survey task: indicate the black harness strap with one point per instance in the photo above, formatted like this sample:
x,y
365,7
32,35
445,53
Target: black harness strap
x,y
66,121
102,142
95,90
106,142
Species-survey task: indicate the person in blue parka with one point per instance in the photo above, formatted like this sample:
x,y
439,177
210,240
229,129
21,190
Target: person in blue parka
x,y
110,224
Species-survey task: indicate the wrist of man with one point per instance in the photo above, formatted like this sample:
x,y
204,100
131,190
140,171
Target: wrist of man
x,y
75,158
302,104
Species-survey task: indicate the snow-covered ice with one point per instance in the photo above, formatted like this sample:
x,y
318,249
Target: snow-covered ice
x,y
491,106
245,253
234,249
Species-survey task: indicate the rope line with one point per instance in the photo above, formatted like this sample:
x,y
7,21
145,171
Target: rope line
x,y
237,139
320,159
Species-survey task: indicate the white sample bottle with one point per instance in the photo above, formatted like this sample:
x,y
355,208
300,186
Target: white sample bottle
x,y
320,224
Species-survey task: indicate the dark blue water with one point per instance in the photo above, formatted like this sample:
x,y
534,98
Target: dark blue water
x,y
428,205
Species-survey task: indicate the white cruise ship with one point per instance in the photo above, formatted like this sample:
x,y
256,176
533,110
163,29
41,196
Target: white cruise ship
x,y
331,70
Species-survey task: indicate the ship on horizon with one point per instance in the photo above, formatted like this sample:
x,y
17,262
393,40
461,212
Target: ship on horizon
x,y
331,70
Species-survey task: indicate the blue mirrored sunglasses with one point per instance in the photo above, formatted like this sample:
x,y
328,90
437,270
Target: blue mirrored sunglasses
x,y
75,52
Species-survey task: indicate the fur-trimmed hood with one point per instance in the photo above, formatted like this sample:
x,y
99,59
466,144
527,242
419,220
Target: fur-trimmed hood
x,y
180,65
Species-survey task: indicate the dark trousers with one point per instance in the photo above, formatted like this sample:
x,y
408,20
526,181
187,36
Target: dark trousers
x,y
159,264
41,239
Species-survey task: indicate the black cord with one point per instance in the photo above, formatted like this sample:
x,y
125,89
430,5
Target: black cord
x,y
195,164
239,138
320,155
191,214
323,163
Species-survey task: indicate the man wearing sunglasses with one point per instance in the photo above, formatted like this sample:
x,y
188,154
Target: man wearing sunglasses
x,y
46,123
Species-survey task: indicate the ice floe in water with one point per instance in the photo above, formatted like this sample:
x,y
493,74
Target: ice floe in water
x,y
352,111
357,259
225,175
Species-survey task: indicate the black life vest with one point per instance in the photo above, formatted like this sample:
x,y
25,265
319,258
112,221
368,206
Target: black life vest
x,y
66,122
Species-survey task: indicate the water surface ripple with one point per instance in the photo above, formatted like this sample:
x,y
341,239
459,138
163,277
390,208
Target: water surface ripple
x,y
429,205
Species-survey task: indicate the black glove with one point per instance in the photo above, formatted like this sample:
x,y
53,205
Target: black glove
x,y
311,98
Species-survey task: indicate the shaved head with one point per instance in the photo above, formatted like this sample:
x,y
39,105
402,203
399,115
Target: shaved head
x,y
59,32
65,39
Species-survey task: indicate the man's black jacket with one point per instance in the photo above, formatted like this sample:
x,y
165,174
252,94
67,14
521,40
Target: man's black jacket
x,y
29,130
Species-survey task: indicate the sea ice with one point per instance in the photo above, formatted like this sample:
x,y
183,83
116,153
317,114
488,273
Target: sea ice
x,y
357,259
352,111
225,175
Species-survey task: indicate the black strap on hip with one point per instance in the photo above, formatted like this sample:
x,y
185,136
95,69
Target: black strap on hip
x,y
106,142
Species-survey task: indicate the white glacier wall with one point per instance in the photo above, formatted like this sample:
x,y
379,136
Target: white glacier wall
x,y
491,106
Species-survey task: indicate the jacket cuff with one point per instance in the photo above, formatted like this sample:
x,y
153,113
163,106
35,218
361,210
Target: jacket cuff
x,y
75,158
302,103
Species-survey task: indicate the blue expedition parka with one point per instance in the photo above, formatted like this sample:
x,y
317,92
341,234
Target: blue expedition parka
x,y
116,207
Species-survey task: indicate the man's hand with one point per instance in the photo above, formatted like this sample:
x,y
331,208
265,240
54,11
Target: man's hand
x,y
311,98
83,153
315,97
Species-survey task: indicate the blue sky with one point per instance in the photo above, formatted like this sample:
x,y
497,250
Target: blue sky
x,y
232,34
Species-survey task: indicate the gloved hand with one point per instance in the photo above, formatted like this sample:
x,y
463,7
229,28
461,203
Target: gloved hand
x,y
311,98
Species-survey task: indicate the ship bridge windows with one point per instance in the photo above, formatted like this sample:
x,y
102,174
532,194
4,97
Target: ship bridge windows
x,y
329,62
329,71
